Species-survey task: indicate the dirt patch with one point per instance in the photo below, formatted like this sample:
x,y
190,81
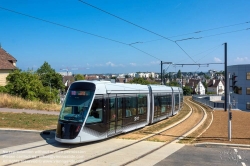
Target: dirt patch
x,y
146,131
218,131
180,129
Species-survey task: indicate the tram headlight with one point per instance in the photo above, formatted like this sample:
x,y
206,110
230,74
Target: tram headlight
x,y
78,128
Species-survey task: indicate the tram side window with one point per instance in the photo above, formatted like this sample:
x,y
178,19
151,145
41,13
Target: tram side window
x,y
181,100
131,105
96,112
169,103
120,103
163,104
112,106
142,104
177,101
156,106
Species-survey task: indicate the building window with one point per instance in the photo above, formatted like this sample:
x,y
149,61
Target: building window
x,y
248,105
248,91
248,75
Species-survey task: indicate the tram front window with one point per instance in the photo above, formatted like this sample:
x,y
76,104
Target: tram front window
x,y
76,106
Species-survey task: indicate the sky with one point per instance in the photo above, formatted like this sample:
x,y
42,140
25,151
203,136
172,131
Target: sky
x,y
125,36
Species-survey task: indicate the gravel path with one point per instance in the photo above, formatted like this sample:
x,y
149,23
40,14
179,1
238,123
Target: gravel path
x,y
28,111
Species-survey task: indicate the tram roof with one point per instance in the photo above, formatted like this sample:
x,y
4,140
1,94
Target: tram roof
x,y
104,87
161,88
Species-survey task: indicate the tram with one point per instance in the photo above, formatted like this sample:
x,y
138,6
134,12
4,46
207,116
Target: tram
x,y
95,110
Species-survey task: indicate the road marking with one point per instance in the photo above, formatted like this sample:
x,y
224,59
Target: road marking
x,y
239,157
236,150
243,164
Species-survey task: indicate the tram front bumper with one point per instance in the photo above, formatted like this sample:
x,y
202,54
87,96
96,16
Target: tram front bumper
x,y
70,141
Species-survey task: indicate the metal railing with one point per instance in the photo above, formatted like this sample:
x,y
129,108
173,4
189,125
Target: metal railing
x,y
204,99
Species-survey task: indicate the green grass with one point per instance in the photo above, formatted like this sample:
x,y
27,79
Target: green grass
x,y
28,121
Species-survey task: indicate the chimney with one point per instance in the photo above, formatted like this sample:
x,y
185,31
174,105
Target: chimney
x,y
213,81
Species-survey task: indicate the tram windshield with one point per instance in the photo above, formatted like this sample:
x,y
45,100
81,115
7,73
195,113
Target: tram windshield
x,y
76,105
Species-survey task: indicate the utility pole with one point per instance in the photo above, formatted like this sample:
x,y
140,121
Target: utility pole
x,y
229,112
162,72
182,82
226,80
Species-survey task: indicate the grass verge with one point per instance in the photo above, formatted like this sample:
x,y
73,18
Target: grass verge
x,y
28,121
8,101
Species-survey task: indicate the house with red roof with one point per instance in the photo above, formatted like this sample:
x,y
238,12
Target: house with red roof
x,y
7,64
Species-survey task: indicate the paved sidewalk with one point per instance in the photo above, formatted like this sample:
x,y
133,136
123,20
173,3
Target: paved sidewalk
x,y
29,111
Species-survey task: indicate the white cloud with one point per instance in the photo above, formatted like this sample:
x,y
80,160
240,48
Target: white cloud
x,y
155,62
244,59
110,64
98,65
217,59
122,65
132,64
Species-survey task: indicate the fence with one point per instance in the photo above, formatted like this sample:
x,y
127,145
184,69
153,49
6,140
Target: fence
x,y
205,99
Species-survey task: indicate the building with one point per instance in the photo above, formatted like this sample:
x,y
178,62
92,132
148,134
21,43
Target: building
x,y
196,86
242,99
216,87
7,64
146,75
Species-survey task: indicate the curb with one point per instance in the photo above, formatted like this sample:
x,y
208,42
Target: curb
x,y
211,144
23,130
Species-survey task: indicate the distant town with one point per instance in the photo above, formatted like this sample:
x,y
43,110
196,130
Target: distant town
x,y
210,82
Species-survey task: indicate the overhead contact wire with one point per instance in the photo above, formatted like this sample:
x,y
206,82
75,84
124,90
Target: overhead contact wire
x,y
136,26
64,26
78,30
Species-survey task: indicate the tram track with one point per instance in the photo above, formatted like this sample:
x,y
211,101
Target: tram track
x,y
147,137
191,112
172,141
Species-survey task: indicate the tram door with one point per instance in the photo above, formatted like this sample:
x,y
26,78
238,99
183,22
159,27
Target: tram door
x,y
115,116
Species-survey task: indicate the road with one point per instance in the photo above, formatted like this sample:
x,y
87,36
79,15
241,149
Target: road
x,y
10,138
183,155
196,156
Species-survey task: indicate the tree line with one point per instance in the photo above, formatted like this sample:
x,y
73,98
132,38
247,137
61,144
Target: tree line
x,y
44,84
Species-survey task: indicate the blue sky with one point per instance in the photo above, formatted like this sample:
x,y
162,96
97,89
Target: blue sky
x,y
32,41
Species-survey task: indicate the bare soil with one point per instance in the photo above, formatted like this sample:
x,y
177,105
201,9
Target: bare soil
x,y
218,131
180,129
172,133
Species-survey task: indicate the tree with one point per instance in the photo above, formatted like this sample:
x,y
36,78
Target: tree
x,y
187,90
24,84
173,83
179,74
45,68
206,76
3,89
29,86
201,74
79,77
49,77
141,81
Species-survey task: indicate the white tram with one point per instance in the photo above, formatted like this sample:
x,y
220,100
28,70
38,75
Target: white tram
x,y
95,110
